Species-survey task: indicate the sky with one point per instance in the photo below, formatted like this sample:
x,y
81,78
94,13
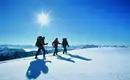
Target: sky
x,y
80,21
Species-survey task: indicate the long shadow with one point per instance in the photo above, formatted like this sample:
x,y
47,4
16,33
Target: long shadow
x,y
79,57
35,69
65,59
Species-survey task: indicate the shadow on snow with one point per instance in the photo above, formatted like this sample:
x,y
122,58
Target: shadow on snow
x,y
72,56
79,57
65,59
36,67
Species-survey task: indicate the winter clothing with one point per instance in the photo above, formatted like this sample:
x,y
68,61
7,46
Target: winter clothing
x,y
64,45
40,44
55,45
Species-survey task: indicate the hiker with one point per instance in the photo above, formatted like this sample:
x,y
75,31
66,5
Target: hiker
x,y
40,44
55,45
64,45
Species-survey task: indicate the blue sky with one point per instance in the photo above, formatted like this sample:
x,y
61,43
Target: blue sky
x,y
81,21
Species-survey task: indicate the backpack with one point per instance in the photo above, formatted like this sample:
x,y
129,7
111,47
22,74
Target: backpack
x,y
64,42
55,44
38,42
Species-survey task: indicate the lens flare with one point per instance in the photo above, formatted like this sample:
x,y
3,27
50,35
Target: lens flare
x,y
43,19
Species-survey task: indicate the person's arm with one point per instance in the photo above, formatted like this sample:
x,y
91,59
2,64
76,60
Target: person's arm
x,y
43,43
46,43
59,42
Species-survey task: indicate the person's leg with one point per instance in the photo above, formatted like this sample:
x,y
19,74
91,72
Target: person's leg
x,y
56,50
65,50
44,52
39,49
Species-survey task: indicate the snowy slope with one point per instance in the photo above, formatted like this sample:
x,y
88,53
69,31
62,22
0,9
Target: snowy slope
x,y
81,64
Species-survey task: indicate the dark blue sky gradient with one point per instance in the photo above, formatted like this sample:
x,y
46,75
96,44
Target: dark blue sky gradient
x,y
81,21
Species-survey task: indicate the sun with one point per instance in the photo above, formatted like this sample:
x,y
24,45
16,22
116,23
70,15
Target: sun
x,y
43,19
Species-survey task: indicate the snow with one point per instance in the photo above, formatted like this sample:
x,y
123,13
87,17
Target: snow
x,y
81,64
30,49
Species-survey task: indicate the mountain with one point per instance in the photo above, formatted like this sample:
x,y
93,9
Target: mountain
x,y
8,52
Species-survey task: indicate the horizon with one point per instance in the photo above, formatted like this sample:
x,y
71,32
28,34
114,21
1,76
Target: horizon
x,y
61,45
81,22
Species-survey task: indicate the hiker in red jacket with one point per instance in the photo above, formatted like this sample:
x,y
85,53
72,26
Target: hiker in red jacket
x,y
55,45
40,44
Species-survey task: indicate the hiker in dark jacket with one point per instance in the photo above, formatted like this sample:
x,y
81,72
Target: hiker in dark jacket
x,y
64,45
55,45
40,44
